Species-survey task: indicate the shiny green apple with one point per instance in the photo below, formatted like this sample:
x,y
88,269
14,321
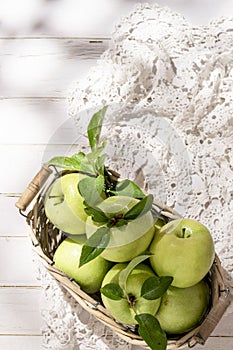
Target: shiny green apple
x,y
89,276
64,204
182,309
126,241
183,249
124,310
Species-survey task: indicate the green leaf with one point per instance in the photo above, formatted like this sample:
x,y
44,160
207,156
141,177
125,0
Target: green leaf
x,y
151,331
78,157
128,188
99,164
113,291
76,163
94,245
97,214
96,159
124,274
92,189
154,287
121,223
64,162
100,184
122,185
95,126
95,153
140,208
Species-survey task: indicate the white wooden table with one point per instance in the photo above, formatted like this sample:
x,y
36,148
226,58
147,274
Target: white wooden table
x,y
44,46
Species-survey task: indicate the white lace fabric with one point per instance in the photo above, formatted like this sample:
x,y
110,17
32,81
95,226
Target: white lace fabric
x,y
182,76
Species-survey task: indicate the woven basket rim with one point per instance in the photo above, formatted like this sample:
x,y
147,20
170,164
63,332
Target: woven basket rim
x,y
219,290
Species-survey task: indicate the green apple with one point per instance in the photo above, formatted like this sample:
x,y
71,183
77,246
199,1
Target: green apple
x,y
182,309
183,249
90,275
64,204
124,310
129,240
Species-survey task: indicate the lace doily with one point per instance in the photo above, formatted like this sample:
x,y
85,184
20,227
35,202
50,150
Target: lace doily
x,y
175,82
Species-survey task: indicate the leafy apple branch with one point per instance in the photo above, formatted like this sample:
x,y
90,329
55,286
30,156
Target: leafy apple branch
x,y
93,165
99,184
153,288
93,162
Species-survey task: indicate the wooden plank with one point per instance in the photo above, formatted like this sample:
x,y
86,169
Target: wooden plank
x,y
225,326
36,121
213,343
20,311
17,267
217,343
58,63
63,18
30,120
13,224
34,342
20,342
94,18
24,161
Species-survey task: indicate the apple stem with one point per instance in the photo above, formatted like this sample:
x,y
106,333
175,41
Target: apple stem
x,y
131,300
114,220
185,233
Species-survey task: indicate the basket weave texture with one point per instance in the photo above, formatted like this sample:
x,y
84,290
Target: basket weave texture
x,y
46,238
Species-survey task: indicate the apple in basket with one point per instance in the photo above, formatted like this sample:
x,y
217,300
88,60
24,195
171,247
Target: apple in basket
x,y
125,307
132,293
183,249
89,276
130,231
182,309
64,204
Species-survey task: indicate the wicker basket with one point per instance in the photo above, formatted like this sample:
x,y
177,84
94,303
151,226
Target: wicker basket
x,y
46,238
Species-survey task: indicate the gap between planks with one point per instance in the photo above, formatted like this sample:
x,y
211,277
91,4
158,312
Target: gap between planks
x,y
20,335
20,287
29,37
42,98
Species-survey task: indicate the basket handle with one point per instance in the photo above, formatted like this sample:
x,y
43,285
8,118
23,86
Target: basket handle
x,y
33,188
213,318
